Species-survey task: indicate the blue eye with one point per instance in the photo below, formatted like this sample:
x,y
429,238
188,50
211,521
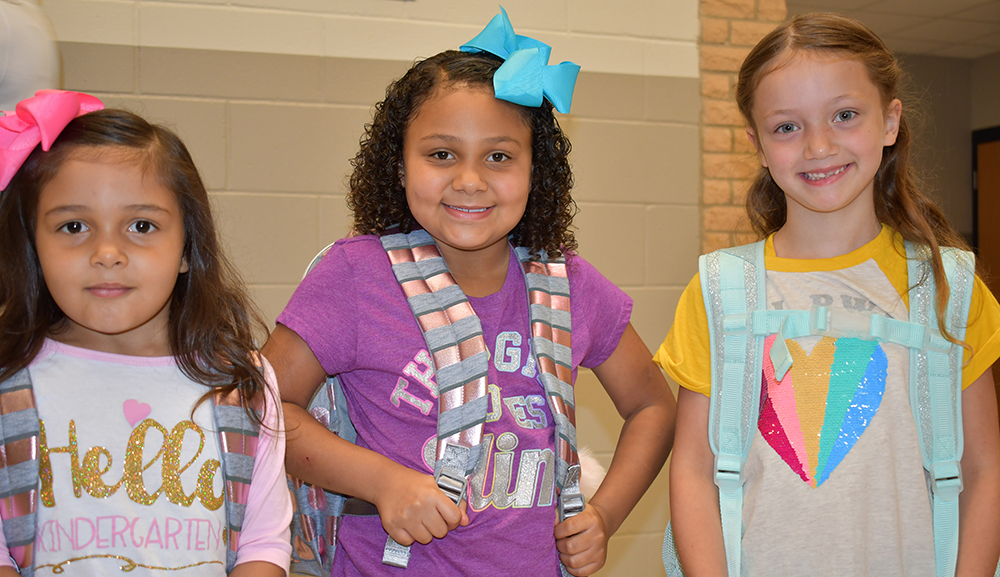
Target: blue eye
x,y
845,115
142,227
74,227
786,128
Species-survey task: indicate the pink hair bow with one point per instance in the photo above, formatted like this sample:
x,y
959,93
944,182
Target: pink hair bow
x,y
38,119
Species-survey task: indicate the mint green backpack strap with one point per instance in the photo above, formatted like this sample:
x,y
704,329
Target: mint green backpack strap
x,y
936,389
733,284
733,289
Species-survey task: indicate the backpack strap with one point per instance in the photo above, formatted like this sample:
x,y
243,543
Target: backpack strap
x,y
547,284
936,389
454,337
238,438
19,435
732,282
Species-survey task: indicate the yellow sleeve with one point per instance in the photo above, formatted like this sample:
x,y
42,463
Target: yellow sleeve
x,y
685,354
983,334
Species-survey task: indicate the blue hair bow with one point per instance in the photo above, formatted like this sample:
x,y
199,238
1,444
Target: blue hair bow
x,y
526,76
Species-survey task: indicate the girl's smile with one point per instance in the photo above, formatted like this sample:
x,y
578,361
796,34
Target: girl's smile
x,y
467,173
820,127
110,240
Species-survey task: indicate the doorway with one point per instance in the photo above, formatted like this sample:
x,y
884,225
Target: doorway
x,y
986,212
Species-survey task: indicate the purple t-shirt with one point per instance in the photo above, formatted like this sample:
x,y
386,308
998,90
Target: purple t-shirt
x,y
353,315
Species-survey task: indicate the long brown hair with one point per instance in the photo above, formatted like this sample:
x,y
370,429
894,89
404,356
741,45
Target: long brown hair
x,y
898,201
377,196
212,322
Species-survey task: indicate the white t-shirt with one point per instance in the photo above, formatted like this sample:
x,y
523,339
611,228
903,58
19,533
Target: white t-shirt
x,y
129,479
834,480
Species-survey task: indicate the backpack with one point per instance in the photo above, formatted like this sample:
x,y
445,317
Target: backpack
x,y
446,319
19,435
733,288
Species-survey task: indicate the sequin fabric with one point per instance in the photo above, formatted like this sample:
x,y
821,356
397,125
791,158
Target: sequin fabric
x,y
815,414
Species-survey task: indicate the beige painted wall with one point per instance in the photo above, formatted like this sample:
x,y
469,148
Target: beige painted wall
x,y
271,97
940,102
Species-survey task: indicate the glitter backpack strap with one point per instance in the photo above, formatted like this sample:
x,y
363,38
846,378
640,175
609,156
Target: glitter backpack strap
x,y
732,284
936,389
19,435
238,437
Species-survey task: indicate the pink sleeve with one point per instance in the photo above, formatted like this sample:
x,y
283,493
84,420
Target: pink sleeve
x,y
5,560
266,535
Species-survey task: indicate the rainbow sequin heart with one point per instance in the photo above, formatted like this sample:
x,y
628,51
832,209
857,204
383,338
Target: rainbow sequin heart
x,y
818,411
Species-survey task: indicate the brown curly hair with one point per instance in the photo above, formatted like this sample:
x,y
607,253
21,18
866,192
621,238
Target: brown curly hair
x,y
898,200
377,196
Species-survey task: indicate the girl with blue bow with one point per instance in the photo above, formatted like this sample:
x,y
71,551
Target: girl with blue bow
x,y
442,327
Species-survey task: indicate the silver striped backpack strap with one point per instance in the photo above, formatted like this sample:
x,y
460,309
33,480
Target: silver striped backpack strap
x,y
454,337
936,389
238,437
19,435
547,284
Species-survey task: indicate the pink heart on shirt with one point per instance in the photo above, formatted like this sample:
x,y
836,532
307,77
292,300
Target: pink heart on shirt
x,y
135,411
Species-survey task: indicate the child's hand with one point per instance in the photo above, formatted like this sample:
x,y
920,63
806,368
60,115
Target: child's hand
x,y
582,541
414,508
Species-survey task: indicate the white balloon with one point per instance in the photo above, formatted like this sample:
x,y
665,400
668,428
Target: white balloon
x,y
29,55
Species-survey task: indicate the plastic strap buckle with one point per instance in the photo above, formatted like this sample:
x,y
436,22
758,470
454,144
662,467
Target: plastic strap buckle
x,y
729,473
933,341
395,554
454,488
451,478
737,324
946,479
571,502
839,323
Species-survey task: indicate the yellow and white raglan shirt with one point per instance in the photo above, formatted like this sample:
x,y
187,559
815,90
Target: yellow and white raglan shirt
x,y
835,484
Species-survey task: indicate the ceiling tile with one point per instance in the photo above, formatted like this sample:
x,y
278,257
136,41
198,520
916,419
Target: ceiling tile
x,y
803,6
956,28
886,24
950,31
989,12
992,41
913,46
922,7
964,51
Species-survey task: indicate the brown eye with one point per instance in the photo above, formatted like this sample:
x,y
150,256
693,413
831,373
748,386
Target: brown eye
x,y
142,227
73,227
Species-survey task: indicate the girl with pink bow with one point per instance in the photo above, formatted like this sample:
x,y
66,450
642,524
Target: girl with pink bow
x,y
141,430
442,328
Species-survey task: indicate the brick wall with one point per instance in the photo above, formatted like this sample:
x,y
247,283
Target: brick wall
x,y
729,28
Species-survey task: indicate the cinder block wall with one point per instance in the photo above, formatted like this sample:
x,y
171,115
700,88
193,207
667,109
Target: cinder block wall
x,y
271,97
